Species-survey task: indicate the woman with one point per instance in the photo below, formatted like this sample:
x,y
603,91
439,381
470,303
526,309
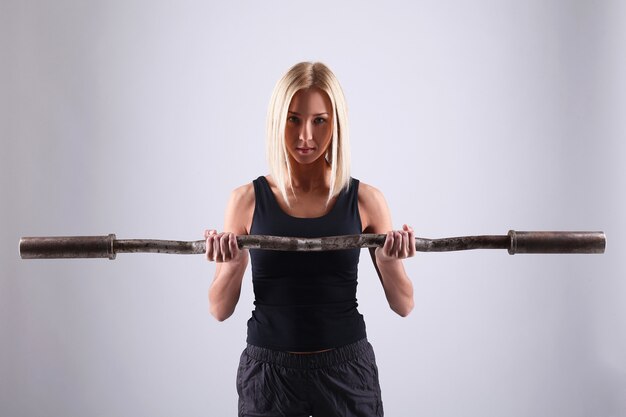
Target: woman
x,y
307,350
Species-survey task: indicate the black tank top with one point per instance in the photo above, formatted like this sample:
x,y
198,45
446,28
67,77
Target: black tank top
x,y
305,301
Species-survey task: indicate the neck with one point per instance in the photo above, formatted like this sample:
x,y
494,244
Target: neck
x,y
311,176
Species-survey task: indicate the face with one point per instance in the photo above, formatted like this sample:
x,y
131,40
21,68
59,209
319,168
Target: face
x,y
309,127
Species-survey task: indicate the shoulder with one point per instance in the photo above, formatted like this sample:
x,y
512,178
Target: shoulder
x,y
370,196
243,194
373,209
242,197
240,209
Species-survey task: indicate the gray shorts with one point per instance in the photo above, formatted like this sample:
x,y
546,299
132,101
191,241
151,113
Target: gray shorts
x,y
342,382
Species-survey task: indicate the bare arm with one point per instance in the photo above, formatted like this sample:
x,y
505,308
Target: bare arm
x,y
387,260
231,262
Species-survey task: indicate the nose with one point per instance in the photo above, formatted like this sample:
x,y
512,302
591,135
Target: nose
x,y
306,131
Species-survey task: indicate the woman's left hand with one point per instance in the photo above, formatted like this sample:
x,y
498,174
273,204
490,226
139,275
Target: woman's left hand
x,y
399,244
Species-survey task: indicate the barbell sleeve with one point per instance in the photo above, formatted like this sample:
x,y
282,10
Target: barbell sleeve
x,y
108,246
59,247
556,242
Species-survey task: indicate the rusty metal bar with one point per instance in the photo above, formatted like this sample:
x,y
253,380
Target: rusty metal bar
x,y
109,246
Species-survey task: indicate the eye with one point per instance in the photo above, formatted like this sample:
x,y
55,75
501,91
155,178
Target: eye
x,y
293,119
319,120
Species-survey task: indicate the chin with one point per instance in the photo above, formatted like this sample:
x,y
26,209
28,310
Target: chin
x,y
305,159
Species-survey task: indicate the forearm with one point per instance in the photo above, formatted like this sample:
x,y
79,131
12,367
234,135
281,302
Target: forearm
x,y
397,285
225,289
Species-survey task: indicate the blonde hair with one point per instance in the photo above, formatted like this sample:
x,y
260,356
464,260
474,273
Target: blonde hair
x,y
302,76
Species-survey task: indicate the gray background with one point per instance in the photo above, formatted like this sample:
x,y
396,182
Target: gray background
x,y
139,117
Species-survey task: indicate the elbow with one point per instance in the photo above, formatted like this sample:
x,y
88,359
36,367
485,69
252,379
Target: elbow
x,y
219,309
219,314
404,309
219,318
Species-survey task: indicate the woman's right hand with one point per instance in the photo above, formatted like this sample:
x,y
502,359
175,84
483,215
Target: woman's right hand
x,y
221,247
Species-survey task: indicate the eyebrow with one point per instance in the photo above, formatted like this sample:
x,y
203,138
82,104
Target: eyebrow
x,y
298,114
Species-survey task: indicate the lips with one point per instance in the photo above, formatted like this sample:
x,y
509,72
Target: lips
x,y
305,150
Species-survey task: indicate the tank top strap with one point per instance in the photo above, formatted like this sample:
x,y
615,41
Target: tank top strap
x,y
264,198
353,195
347,205
344,204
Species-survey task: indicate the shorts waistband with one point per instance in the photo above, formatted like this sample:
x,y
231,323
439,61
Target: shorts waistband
x,y
319,360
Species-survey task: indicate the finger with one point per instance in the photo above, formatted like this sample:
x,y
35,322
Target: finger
x,y
397,249
412,249
224,247
389,242
234,249
209,248
384,249
216,247
405,244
